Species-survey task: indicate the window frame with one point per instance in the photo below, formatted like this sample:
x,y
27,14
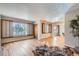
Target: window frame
x,y
9,29
44,29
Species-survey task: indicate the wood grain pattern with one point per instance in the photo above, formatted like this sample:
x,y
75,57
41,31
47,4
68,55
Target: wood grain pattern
x,y
25,47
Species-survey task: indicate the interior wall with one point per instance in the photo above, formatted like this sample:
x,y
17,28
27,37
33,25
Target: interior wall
x,y
69,39
47,35
61,27
39,29
7,40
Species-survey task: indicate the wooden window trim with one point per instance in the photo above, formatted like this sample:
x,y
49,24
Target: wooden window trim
x,y
49,25
9,28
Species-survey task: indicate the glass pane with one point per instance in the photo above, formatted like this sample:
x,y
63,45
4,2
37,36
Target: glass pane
x,y
19,29
13,29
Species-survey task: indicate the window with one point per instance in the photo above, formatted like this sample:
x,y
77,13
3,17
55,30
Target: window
x,y
46,28
13,29
50,28
56,30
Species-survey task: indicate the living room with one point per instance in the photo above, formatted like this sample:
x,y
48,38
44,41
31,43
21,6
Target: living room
x,y
30,27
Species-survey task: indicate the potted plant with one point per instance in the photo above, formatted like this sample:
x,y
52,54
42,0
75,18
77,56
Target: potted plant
x,y
74,24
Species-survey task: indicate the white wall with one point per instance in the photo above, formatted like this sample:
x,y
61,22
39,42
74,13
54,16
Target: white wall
x,y
62,27
39,29
69,39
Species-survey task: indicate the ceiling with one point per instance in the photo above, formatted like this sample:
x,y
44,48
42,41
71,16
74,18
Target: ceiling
x,y
31,10
74,7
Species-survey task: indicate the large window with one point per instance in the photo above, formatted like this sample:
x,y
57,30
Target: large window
x,y
13,29
46,28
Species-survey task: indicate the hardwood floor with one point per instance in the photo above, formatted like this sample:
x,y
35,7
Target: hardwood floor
x,y
25,47
47,41
20,48
58,41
